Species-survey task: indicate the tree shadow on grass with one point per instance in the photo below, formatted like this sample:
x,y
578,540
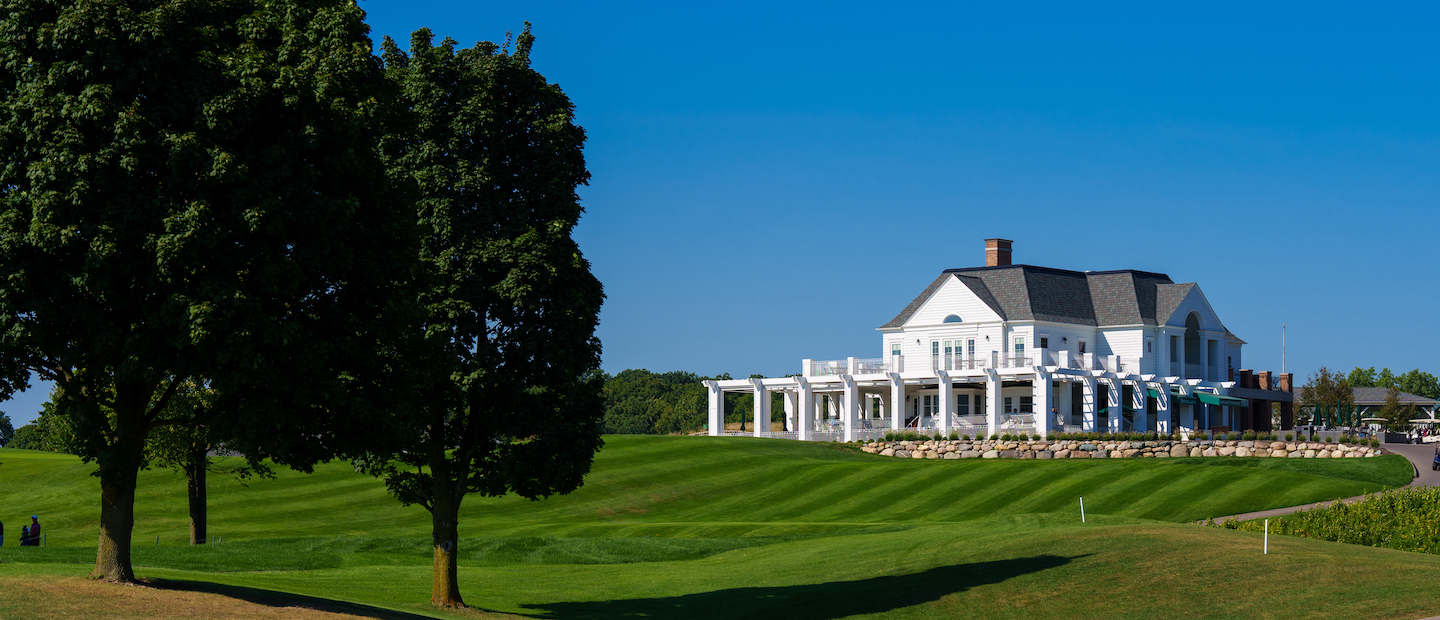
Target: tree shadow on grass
x,y
821,601
271,598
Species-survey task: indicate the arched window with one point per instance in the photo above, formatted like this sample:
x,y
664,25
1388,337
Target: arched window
x,y
954,318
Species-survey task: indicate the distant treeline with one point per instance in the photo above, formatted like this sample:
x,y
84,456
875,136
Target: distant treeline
x,y
638,401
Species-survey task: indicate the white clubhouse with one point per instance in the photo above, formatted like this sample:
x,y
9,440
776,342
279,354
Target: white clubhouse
x,y
1022,349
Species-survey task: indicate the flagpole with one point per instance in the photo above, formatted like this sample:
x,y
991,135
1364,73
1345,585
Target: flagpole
x,y
1282,348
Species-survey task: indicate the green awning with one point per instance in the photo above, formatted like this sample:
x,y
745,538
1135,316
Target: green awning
x,y
1206,397
1152,392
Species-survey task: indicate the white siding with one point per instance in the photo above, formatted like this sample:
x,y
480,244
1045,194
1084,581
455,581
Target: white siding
x,y
953,297
1125,342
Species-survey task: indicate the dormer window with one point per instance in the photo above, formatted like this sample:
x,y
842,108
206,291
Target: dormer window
x,y
954,318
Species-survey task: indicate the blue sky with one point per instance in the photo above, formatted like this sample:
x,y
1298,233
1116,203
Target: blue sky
x,y
773,181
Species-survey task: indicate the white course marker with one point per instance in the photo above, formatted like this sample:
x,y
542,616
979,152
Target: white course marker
x,y
1082,510
1267,537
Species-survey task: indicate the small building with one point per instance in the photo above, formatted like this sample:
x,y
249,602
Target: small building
x,y
1022,349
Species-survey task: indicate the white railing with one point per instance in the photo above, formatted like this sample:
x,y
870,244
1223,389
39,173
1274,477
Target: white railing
x,y
871,366
955,362
853,366
1015,361
1116,363
820,368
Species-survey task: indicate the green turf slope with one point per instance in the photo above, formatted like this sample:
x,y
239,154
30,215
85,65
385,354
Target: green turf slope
x,y
681,527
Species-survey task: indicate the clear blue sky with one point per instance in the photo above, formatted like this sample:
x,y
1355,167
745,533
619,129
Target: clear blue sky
x,y
772,181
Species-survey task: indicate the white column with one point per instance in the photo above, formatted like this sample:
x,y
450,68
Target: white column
x,y
1089,407
1142,416
1184,374
849,405
992,402
897,402
1163,412
947,402
792,405
1205,359
762,407
869,410
1113,402
805,415
717,408
1043,398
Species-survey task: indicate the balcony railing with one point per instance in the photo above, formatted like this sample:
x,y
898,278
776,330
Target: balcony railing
x,y
853,366
956,362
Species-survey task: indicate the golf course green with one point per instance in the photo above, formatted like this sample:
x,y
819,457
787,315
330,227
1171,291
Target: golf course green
x,y
702,527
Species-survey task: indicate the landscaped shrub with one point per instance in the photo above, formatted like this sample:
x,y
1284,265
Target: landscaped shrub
x,y
1374,443
1407,519
1289,437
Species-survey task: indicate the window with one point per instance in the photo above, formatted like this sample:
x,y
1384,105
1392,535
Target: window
x,y
932,404
1019,347
971,345
1174,353
1149,346
1027,404
962,404
1082,347
1008,408
954,318
895,349
1044,342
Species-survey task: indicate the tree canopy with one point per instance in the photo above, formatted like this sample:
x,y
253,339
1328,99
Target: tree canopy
x,y
505,374
1414,382
192,190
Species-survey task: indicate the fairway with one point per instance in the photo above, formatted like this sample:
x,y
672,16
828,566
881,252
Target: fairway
x,y
725,527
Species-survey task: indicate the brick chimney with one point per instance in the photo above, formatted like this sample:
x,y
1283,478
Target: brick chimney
x,y
997,252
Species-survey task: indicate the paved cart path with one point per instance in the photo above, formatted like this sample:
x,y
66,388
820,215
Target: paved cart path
x,y
1420,455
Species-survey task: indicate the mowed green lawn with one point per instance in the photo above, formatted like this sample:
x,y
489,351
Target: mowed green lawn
x,y
682,527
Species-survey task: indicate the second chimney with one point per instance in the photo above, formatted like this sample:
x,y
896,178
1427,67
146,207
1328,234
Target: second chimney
x,y
997,252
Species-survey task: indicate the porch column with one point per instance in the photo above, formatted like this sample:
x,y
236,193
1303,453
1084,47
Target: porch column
x,y
850,404
992,402
947,402
1163,422
1089,409
805,412
896,406
792,405
717,408
762,407
1205,358
1043,399
869,401
1113,402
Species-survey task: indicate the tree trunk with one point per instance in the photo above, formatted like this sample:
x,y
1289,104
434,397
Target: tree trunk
x,y
117,512
195,471
445,532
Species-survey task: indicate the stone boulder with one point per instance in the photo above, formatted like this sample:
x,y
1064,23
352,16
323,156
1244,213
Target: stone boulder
x,y
1226,451
1009,454
991,454
1309,454
1296,454
904,454
1080,454
887,452
1044,454
951,455
1178,450
1197,452
1243,450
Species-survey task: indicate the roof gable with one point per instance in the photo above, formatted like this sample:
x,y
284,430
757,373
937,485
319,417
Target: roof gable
x,y
966,297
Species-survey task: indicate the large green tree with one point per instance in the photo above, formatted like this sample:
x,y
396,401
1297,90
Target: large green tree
x,y
506,379
190,189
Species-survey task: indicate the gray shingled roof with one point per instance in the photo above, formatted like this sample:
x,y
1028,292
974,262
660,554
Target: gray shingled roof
x,y
1375,396
1026,292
